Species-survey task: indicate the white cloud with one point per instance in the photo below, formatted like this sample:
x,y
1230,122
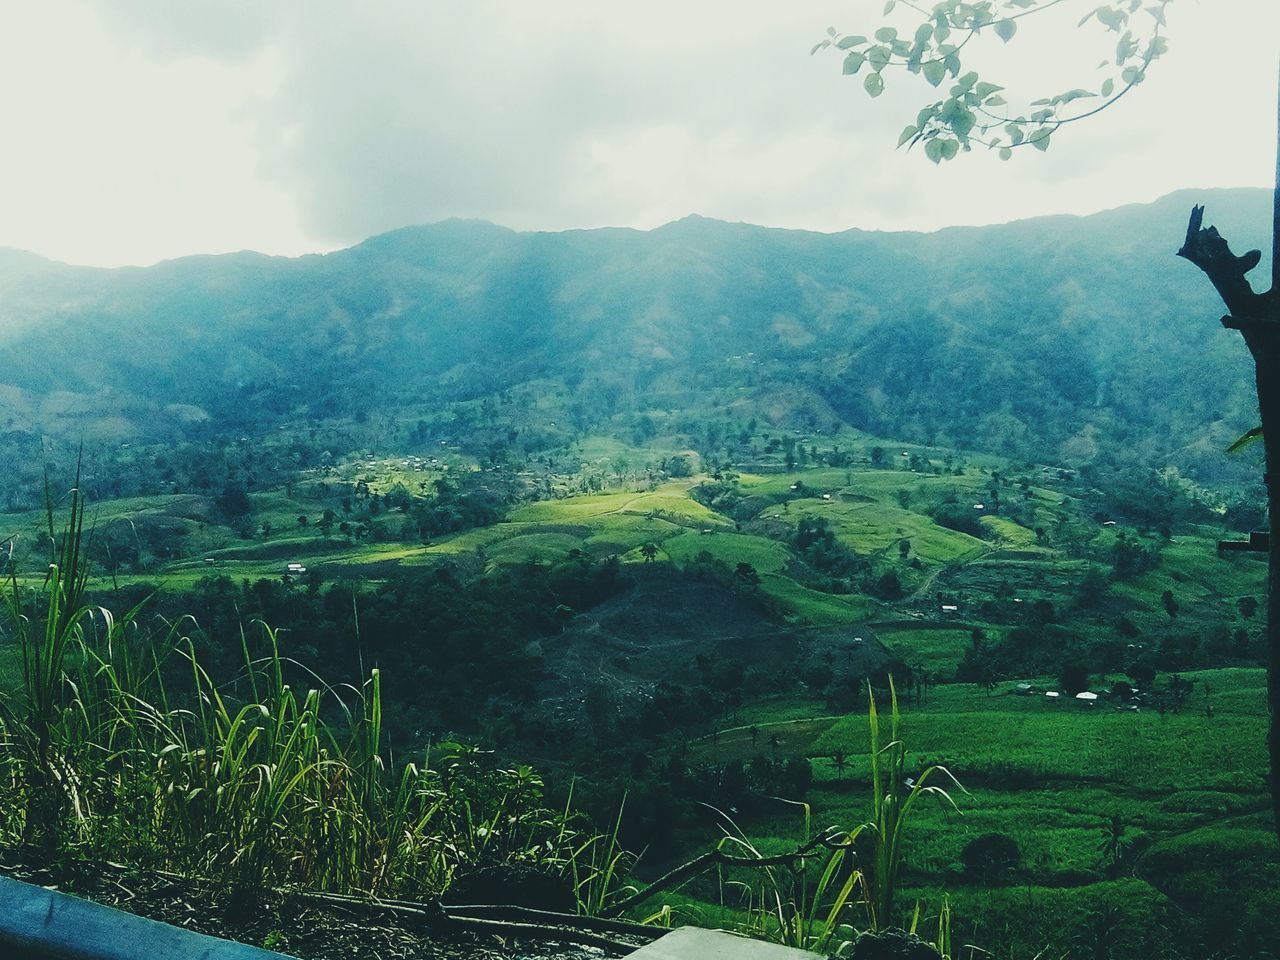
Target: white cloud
x,y
140,129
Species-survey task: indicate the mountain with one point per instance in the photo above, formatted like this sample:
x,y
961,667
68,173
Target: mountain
x,y
1064,338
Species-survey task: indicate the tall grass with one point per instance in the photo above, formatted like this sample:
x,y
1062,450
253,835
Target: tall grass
x,y
838,882
893,794
120,744
789,905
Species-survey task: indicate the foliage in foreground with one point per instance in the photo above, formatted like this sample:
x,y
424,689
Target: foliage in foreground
x,y
119,744
838,883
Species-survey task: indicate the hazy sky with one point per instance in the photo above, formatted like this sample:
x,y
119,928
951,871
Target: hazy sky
x,y
138,130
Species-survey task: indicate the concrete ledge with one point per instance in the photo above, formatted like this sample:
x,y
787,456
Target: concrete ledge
x,y
40,924
693,943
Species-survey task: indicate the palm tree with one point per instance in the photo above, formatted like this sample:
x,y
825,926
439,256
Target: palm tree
x,y
1113,845
840,761
649,551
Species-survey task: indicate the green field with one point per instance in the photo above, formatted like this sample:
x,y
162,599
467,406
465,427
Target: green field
x,y
1187,788
767,556
936,649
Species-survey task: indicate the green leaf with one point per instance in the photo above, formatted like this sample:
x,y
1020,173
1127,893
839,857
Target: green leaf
x,y
949,149
995,101
1248,437
958,117
1108,87
934,71
1111,18
873,83
1005,29
924,33
933,150
888,7
853,62
1006,153
1073,95
847,42
887,34
1041,140
908,132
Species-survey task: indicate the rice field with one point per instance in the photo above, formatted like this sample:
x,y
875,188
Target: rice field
x,y
767,556
937,649
1027,740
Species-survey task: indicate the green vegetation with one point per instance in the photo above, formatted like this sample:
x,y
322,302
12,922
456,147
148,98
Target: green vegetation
x,y
108,754
688,642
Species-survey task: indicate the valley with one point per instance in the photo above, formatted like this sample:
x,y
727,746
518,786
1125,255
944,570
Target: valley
x,y
682,641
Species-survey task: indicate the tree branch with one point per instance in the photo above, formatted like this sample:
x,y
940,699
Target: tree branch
x,y
718,857
1209,251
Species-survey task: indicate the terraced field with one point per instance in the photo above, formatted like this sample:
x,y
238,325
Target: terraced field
x,y
1186,790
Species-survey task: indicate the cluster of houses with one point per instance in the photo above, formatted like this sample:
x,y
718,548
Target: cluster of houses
x,y
1123,697
419,463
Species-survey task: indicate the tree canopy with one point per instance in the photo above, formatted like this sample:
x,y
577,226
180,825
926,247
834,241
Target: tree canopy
x,y
936,44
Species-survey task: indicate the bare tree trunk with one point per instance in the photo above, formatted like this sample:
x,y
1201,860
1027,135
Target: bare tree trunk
x,y
1262,334
1273,499
1268,374
1257,317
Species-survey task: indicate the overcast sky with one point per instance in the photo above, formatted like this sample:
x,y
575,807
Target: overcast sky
x,y
139,130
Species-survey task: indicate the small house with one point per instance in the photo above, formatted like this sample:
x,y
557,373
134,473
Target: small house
x,y
295,568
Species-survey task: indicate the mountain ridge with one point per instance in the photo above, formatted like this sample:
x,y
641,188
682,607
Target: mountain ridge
x,y
1048,338
1195,195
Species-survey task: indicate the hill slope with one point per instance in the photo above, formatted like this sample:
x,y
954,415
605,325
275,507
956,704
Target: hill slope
x,y
1055,338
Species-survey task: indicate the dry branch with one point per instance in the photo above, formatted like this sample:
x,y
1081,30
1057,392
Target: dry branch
x,y
718,858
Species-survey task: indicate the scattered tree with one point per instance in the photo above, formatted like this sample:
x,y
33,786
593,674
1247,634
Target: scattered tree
x,y
991,856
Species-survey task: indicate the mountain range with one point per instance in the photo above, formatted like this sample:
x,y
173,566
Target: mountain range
x,y
1065,338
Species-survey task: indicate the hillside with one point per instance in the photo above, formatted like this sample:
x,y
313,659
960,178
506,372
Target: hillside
x,y
1073,339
